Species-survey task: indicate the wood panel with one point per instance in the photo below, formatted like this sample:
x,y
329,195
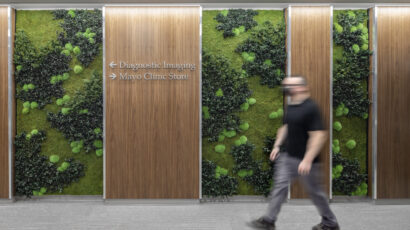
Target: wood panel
x,y
4,110
4,138
310,47
393,113
152,126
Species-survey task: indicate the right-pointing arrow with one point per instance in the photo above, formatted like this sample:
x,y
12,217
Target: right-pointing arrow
x,y
113,76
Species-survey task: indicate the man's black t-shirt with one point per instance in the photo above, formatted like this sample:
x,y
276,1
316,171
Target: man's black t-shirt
x,y
301,118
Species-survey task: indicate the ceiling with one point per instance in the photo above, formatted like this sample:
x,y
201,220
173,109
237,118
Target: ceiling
x,y
193,1
206,4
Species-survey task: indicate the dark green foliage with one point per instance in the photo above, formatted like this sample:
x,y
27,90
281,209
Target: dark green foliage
x,y
348,91
34,171
235,19
242,155
350,178
77,125
268,44
260,179
354,64
36,68
84,30
347,38
211,186
218,74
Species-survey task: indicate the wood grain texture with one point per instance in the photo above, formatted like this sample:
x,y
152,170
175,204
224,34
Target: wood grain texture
x,y
310,47
370,120
4,138
393,113
4,121
152,126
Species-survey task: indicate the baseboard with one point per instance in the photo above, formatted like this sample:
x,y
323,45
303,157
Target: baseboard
x,y
351,199
7,201
235,199
151,201
60,198
392,202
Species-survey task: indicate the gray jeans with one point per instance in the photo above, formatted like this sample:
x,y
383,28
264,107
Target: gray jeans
x,y
286,170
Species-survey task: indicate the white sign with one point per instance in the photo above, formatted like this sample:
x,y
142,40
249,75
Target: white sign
x,y
152,67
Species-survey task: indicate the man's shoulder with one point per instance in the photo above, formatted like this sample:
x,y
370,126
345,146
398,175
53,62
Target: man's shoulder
x,y
311,103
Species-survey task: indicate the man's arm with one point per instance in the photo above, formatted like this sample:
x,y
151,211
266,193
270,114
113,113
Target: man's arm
x,y
280,137
314,145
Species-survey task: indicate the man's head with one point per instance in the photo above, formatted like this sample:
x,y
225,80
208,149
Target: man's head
x,y
294,85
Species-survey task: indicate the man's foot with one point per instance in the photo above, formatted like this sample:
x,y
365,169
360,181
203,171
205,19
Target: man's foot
x,y
262,224
324,227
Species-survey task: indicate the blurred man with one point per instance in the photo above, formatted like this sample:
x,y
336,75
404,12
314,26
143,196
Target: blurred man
x,y
305,135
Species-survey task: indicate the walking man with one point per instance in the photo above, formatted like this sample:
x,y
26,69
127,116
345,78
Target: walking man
x,y
303,135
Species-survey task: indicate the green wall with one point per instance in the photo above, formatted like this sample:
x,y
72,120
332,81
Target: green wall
x,y
268,99
350,80
41,29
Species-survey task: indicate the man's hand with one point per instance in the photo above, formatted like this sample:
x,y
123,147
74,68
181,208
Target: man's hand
x,y
315,143
274,154
304,167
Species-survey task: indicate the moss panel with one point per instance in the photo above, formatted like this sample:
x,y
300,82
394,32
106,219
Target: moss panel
x,y
267,99
41,29
353,127
39,25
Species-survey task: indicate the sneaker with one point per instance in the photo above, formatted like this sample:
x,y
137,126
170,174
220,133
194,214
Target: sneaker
x,y
261,223
324,227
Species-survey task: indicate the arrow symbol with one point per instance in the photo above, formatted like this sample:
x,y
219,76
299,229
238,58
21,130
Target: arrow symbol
x,y
112,64
113,76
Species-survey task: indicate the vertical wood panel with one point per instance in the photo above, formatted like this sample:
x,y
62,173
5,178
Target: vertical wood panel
x,y
152,127
4,159
4,121
310,47
393,123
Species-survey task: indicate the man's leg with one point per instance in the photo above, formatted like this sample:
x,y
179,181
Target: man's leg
x,y
313,184
282,177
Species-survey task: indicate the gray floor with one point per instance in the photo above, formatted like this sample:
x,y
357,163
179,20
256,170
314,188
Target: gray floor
x,y
95,214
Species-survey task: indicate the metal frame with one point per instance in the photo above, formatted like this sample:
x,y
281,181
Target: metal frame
x,y
104,105
10,102
331,106
277,6
200,102
374,107
289,57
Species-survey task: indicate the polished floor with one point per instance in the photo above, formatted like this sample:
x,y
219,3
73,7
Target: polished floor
x,y
95,214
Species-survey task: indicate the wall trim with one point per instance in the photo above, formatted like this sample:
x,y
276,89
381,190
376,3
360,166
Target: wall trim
x,y
289,58
331,108
10,102
374,107
104,106
200,102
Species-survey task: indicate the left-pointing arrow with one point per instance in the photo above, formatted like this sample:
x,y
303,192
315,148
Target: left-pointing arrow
x,y
112,64
113,76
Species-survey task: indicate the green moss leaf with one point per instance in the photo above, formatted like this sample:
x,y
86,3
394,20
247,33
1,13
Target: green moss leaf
x,y
351,144
337,126
98,144
78,69
244,126
219,93
245,107
99,152
54,158
273,115
252,101
220,148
